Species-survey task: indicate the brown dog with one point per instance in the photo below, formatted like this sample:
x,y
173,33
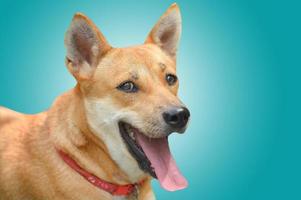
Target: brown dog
x,y
107,137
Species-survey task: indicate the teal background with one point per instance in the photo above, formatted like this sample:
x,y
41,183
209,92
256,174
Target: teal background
x,y
239,68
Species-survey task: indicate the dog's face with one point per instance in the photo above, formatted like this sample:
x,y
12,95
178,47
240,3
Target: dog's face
x,y
141,83
130,94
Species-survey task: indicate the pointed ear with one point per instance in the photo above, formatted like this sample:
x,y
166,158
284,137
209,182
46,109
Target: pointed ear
x,y
85,46
166,33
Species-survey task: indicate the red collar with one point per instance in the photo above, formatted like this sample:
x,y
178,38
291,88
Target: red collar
x,y
114,189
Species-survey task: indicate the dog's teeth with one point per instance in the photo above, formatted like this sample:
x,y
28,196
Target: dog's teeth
x,y
131,133
128,129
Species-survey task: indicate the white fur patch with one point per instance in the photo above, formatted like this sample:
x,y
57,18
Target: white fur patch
x,y
103,117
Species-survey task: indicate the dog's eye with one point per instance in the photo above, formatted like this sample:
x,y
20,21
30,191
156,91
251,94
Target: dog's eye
x,y
171,79
128,86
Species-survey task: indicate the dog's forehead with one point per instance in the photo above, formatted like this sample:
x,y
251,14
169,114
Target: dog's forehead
x,y
137,59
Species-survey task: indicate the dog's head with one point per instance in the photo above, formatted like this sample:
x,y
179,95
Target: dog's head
x,y
130,95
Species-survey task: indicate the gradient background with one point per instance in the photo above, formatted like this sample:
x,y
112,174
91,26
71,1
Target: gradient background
x,y
239,67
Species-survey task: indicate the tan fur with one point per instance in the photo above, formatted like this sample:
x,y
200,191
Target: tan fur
x,y
30,167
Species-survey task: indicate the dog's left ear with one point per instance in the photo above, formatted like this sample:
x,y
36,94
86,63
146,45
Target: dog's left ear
x,y
85,47
166,33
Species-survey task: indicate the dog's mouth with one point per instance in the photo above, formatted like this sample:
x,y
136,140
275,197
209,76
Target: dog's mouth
x,y
128,134
153,156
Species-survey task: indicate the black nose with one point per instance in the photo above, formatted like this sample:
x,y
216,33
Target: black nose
x,y
176,117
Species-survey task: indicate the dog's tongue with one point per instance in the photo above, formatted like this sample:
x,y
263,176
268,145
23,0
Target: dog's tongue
x,y
158,153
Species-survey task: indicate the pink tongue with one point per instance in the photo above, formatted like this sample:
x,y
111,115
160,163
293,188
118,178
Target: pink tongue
x,y
158,153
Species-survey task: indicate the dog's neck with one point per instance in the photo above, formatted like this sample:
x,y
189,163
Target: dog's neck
x,y
71,133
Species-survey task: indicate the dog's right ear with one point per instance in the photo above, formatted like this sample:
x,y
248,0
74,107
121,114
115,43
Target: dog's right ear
x,y
85,46
167,32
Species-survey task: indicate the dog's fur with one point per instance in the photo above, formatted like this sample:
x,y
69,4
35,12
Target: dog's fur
x,y
83,121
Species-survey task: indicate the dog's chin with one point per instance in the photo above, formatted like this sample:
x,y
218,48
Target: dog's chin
x,y
128,133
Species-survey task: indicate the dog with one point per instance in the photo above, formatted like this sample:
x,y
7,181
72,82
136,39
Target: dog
x,y
108,136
